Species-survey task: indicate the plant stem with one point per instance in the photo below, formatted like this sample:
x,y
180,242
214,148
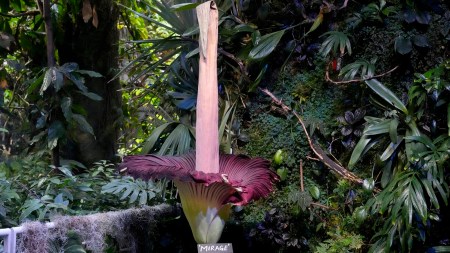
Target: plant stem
x,y
206,129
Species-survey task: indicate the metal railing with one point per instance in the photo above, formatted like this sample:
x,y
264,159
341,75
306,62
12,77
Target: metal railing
x,y
9,236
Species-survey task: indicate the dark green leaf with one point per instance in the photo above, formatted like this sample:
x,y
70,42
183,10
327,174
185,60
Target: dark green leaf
x,y
266,45
69,67
357,151
387,174
73,244
66,171
282,172
89,73
92,96
82,123
448,119
380,127
420,41
58,81
30,206
66,107
386,94
47,81
78,81
36,83
403,45
55,131
393,130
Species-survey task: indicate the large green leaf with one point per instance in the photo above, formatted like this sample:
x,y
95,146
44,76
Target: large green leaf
x,y
266,45
380,127
358,151
386,94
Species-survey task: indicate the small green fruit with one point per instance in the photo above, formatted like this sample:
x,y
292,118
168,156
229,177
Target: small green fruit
x,y
315,192
282,173
360,214
278,157
368,184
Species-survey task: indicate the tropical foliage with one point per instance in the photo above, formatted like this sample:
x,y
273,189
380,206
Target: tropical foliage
x,y
368,80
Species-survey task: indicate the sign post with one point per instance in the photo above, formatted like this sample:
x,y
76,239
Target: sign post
x,y
215,248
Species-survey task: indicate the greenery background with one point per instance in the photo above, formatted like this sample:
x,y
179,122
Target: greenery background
x,y
124,82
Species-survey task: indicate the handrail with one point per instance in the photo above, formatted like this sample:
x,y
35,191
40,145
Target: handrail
x,y
10,237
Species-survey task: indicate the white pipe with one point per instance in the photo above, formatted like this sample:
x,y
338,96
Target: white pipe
x,y
10,236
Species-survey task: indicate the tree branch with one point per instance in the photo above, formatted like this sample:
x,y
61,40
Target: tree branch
x,y
318,151
327,77
21,14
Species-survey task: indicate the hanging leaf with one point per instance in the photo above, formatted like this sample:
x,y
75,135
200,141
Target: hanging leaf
x,y
92,96
69,67
78,81
58,81
47,81
94,17
55,131
316,23
86,11
403,45
266,45
82,122
90,73
66,107
386,94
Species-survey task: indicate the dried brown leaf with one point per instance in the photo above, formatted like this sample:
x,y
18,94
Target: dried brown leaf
x,y
86,11
94,18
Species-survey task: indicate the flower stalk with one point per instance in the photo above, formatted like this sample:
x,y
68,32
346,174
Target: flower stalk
x,y
209,184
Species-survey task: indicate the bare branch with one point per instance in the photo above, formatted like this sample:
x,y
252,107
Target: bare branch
x,y
327,77
318,151
21,14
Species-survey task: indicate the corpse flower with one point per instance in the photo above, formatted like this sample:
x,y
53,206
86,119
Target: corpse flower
x,y
209,184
